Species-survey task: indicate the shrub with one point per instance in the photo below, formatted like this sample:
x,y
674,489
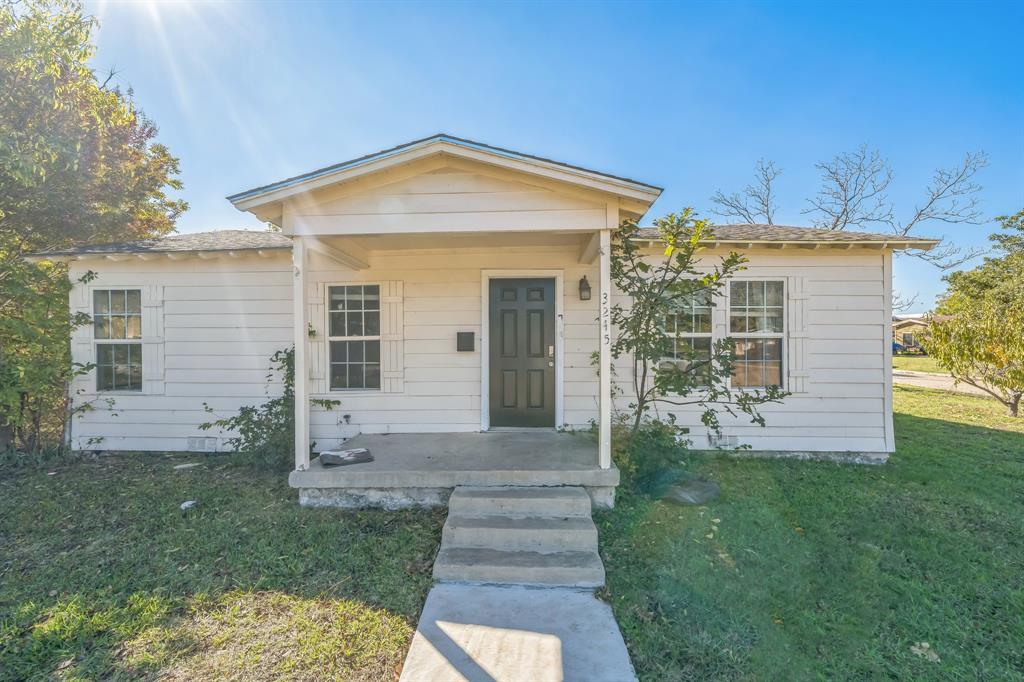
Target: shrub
x,y
267,431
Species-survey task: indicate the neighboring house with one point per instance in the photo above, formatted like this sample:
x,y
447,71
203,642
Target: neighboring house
x,y
909,331
444,287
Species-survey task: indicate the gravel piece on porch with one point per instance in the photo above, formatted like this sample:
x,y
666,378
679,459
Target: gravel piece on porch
x,y
472,632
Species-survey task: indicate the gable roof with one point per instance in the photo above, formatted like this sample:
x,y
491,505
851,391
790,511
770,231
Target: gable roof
x,y
218,240
784,234
442,143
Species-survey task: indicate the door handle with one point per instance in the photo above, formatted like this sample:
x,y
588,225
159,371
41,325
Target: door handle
x,y
550,363
551,351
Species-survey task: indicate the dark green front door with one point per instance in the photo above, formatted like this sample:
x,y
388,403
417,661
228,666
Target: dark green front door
x,y
522,352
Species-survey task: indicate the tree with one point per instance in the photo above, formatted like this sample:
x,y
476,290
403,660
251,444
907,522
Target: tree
x,y
757,202
984,346
982,342
659,289
854,195
78,165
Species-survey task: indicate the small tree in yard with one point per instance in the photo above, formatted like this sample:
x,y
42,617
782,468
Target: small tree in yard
x,y
984,347
666,370
982,344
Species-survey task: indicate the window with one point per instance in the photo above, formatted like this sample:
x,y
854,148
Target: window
x,y
353,322
117,330
908,339
756,314
689,332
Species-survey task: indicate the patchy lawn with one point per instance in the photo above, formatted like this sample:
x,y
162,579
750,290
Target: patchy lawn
x,y
805,570
103,576
917,363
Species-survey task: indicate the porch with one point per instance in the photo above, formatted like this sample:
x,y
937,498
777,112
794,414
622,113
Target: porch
x,y
421,469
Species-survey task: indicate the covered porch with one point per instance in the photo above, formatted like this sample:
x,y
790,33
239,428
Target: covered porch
x,y
421,469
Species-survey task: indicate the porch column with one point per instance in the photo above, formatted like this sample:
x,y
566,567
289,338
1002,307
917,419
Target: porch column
x,y
605,421
300,338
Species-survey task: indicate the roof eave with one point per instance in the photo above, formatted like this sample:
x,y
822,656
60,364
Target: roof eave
x,y
259,196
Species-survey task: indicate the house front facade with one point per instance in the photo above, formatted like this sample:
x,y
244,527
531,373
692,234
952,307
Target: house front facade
x,y
450,287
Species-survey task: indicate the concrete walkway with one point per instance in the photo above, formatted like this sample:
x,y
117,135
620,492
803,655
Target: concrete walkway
x,y
942,382
511,633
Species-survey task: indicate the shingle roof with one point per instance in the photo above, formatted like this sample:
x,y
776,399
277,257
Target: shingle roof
x,y
787,233
219,240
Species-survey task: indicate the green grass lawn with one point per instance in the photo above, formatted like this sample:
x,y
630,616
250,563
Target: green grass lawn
x,y
917,363
800,570
102,576
804,570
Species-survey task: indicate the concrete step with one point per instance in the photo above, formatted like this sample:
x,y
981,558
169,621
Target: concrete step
x,y
528,533
480,565
520,501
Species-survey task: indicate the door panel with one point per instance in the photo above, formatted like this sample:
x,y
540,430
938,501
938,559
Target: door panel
x,y
522,352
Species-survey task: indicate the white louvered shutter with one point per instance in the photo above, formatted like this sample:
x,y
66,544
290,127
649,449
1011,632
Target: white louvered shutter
x,y
392,337
796,332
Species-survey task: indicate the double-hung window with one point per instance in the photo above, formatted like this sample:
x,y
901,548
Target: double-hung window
x,y
353,322
689,333
757,328
117,331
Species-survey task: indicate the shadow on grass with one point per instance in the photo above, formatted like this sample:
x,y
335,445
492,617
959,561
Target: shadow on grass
x,y
808,569
104,576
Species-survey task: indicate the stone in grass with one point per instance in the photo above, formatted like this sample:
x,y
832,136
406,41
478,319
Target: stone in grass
x,y
186,466
188,504
693,491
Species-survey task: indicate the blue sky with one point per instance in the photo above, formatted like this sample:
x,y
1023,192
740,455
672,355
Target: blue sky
x,y
685,96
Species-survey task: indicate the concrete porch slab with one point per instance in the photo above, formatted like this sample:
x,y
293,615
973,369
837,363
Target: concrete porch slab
x,y
446,460
498,634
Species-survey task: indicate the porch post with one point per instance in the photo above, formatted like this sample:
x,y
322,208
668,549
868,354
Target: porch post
x,y
300,338
605,424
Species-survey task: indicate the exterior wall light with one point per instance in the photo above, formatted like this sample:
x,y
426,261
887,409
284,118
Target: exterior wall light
x,y
584,289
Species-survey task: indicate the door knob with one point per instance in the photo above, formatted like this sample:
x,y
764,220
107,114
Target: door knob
x,y
550,363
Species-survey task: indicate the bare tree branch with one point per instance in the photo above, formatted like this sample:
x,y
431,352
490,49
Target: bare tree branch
x,y
901,303
756,204
853,191
950,197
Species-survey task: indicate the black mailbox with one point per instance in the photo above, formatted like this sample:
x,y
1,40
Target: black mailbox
x,y
464,341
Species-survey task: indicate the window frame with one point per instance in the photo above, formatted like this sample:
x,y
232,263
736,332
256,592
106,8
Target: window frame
x,y
98,342
760,335
675,336
328,337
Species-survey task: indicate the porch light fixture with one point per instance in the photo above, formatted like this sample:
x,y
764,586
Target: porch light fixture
x,y
584,289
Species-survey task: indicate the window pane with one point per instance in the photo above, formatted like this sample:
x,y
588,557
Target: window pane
x,y
101,327
135,301
339,351
117,326
773,322
737,323
101,301
371,297
337,324
773,349
354,324
354,298
117,301
104,377
702,323
373,351
121,354
371,323
772,374
373,376
339,376
355,351
105,354
774,296
135,375
355,376
755,294
336,298
135,327
738,293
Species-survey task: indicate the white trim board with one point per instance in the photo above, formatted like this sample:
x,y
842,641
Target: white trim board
x,y
485,338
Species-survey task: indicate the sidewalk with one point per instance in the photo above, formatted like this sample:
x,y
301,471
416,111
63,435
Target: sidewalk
x,y
942,382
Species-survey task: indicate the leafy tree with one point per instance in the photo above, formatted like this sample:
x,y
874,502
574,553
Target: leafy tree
x,y
984,346
78,165
659,288
982,343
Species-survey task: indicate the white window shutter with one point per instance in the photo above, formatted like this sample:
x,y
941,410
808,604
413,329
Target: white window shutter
x,y
317,355
392,338
796,333
81,340
152,339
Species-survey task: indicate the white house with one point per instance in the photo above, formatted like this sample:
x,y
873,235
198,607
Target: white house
x,y
439,291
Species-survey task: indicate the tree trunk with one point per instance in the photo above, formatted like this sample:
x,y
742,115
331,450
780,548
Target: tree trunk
x,y
1014,406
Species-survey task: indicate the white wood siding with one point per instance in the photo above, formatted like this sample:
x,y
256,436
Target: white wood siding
x,y
223,318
